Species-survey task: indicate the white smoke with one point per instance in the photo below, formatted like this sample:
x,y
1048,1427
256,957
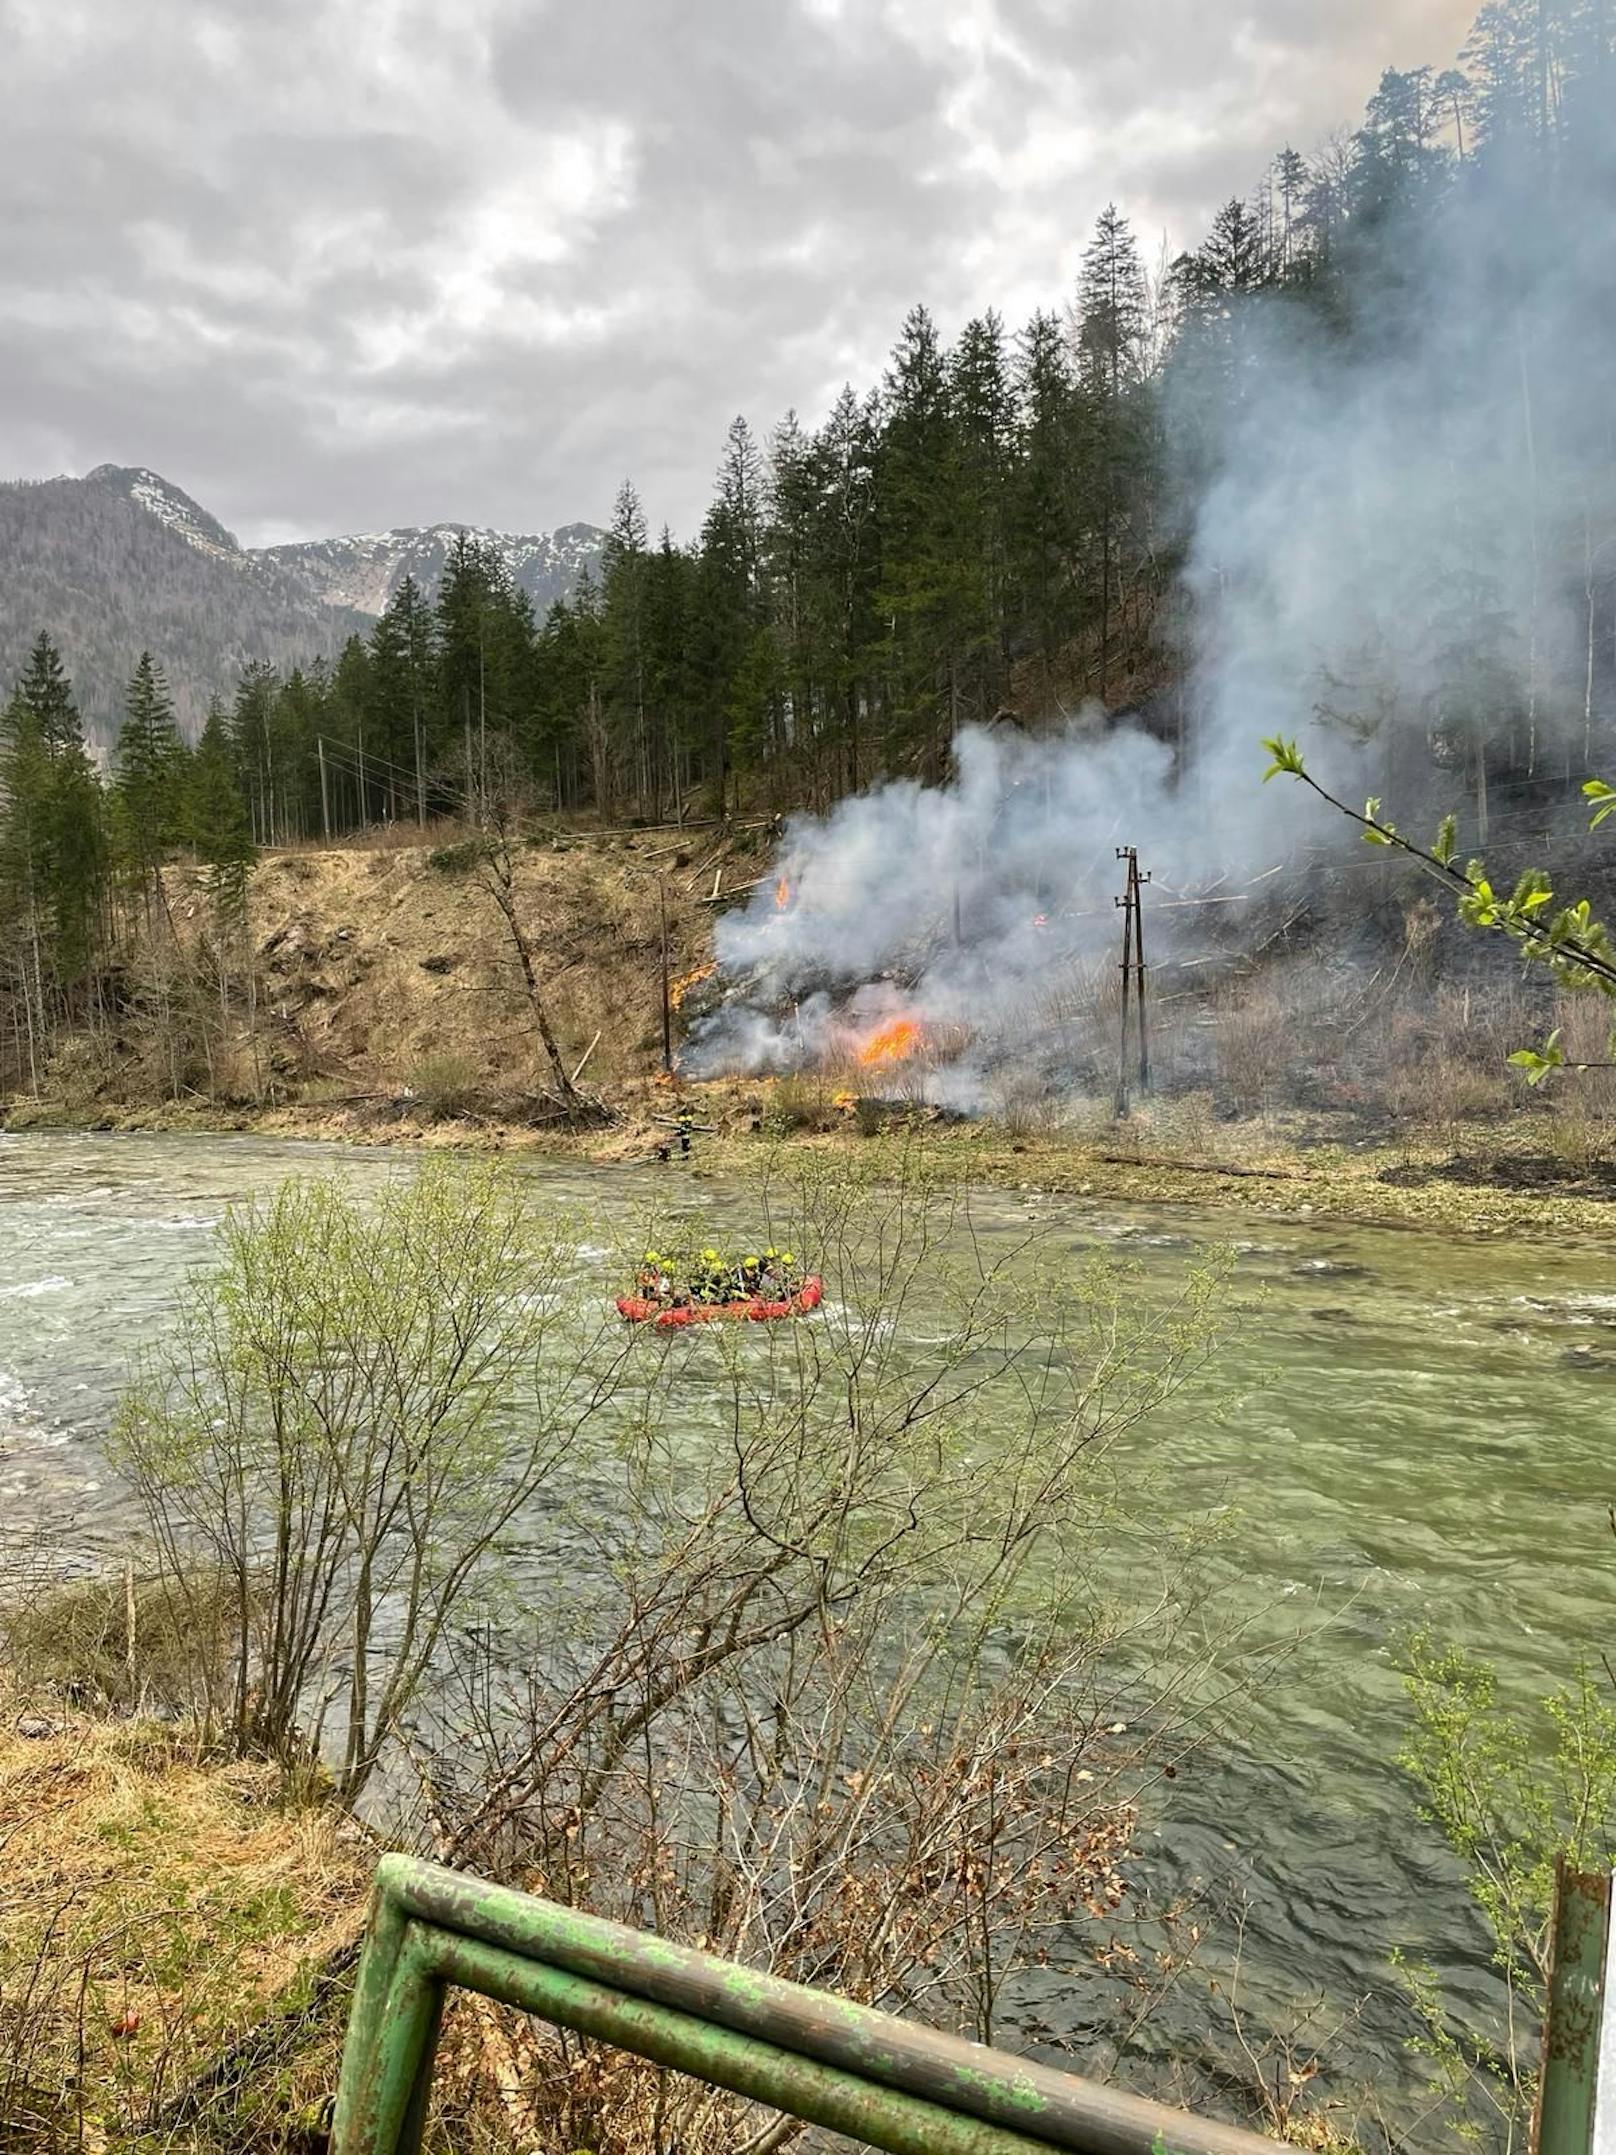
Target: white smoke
x,y
961,906
1391,544
1403,544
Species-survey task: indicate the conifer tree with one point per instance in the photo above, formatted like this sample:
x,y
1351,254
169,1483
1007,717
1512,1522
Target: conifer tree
x,y
728,663
1045,533
76,841
1231,259
917,473
623,592
150,761
48,693
1113,318
846,555
1288,180
983,403
24,810
403,666
217,823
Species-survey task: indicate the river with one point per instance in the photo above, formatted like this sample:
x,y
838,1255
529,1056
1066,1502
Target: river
x,y
1424,1440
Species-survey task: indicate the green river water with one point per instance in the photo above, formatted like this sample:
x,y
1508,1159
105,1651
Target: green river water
x,y
1426,1441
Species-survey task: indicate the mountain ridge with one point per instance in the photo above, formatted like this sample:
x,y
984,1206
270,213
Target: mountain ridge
x,y
122,560
361,570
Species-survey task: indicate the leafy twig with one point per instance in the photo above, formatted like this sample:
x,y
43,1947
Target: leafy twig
x,y
1576,948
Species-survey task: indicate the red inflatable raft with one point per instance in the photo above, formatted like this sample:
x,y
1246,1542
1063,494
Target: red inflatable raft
x,y
755,1310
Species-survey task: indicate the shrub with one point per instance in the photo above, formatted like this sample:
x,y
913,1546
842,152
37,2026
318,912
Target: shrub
x,y
1253,1040
444,1083
329,1432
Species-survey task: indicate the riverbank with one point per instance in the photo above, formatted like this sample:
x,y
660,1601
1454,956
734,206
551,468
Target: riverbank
x,y
1509,1176
385,1007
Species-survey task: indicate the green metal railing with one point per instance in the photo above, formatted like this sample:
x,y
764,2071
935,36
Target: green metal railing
x,y
1576,2113
865,2074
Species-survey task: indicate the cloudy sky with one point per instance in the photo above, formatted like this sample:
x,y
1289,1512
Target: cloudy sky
x,y
337,264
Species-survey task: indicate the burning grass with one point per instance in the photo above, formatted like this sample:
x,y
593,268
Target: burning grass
x,y
894,1043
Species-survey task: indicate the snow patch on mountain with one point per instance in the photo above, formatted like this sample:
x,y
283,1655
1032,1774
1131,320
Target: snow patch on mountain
x,y
150,491
364,570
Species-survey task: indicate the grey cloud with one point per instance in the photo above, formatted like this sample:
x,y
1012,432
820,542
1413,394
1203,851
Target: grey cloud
x,y
329,265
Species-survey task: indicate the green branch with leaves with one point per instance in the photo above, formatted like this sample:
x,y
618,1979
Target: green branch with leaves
x,y
1576,948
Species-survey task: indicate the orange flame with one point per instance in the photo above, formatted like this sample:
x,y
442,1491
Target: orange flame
x,y
680,988
894,1043
782,895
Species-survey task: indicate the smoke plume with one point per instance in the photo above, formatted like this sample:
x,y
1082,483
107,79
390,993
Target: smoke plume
x,y
1399,545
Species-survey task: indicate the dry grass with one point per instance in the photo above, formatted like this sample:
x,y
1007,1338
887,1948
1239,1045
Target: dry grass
x,y
397,837
1438,1092
160,1912
377,966
445,1083
178,1930
1254,1044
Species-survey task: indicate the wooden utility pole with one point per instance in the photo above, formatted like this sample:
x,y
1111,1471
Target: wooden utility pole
x,y
667,992
325,797
1133,975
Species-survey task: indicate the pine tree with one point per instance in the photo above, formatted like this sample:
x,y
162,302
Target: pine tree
x,y
623,585
77,849
1455,98
730,615
794,486
846,567
403,665
217,823
462,626
24,853
67,871
983,403
1113,308
1044,525
670,603
1289,182
917,472
150,760
48,693
1113,322
1398,156
347,734
1498,57
1231,259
